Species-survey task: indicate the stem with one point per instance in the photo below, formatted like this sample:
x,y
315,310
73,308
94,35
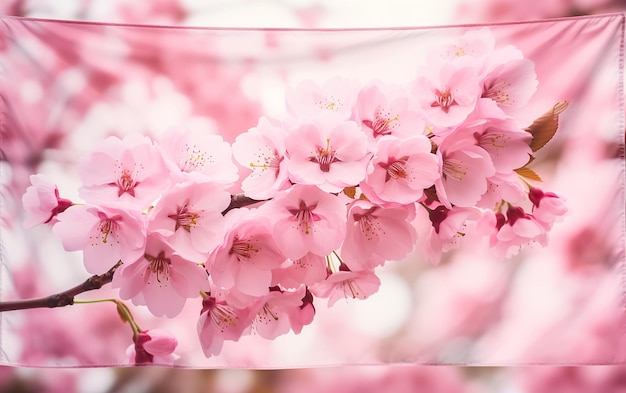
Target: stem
x,y
122,310
65,298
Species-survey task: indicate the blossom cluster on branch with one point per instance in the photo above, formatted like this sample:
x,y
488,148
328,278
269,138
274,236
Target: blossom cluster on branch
x,y
333,190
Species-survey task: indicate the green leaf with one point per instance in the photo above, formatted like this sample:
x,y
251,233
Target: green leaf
x,y
528,173
544,128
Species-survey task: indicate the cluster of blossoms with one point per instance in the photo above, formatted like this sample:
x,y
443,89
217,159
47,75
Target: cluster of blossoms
x,y
331,191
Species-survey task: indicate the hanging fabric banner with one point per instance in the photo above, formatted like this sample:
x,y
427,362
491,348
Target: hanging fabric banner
x,y
278,198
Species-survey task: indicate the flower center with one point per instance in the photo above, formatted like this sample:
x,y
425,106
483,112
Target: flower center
x,y
270,161
368,224
324,157
395,169
267,314
222,316
193,159
329,104
304,216
498,141
496,90
106,227
125,184
382,125
159,265
351,289
443,100
454,169
243,250
184,218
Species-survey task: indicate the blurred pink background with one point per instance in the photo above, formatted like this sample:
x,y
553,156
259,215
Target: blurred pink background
x,y
584,283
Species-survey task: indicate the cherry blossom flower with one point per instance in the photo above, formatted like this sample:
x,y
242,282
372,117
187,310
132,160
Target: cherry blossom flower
x,y
307,219
448,96
449,226
219,322
247,254
126,172
306,270
503,186
347,284
510,233
42,203
105,235
199,156
401,170
510,84
160,279
308,100
277,312
375,234
189,216
262,149
385,111
155,346
465,170
508,146
548,207
328,153
305,315
475,43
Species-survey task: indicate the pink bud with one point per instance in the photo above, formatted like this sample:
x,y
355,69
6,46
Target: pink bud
x,y
41,202
154,347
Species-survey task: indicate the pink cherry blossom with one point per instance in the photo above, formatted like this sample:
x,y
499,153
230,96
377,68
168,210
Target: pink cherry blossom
x,y
219,322
375,234
510,84
160,279
262,149
154,346
510,233
328,153
508,145
189,216
277,312
305,315
191,154
41,202
449,226
475,43
401,170
307,219
548,207
465,169
247,254
306,270
448,96
308,100
105,235
127,172
346,284
385,111
509,187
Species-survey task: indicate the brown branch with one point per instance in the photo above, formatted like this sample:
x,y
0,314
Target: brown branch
x,y
65,298
239,200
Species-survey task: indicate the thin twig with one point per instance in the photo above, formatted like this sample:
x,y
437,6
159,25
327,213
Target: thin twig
x,y
65,298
